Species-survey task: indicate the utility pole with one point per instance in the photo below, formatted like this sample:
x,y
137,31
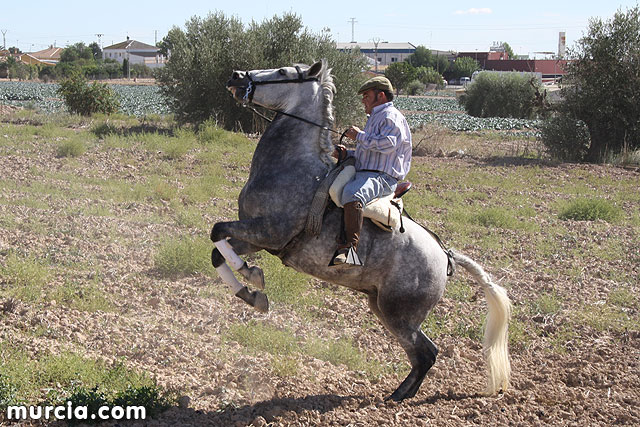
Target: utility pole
x,y
4,42
100,39
376,40
353,27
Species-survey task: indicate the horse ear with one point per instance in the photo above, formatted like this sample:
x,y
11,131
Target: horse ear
x,y
315,69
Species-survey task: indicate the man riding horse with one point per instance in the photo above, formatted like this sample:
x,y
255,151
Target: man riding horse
x,y
382,155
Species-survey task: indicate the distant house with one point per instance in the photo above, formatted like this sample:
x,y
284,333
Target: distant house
x,y
384,53
137,53
50,56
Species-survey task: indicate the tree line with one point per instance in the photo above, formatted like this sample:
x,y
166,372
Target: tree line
x,y
75,59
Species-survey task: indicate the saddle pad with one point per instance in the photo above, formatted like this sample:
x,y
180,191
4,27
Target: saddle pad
x,y
379,210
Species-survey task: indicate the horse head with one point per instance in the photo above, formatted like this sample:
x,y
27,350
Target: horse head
x,y
279,88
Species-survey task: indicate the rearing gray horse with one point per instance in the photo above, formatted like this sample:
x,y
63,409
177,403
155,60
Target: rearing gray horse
x,y
404,274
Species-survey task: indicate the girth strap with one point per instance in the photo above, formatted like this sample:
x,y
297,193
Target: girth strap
x,y
320,199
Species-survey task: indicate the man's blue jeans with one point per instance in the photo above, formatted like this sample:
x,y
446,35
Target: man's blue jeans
x,y
367,186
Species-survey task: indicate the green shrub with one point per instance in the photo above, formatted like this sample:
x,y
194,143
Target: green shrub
x,y
152,397
84,99
602,83
26,277
590,210
416,87
184,256
428,75
565,138
7,392
502,95
71,148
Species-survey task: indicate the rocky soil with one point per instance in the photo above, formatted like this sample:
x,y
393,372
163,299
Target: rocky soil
x,y
174,328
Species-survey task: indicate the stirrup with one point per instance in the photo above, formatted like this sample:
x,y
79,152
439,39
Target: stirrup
x,y
350,257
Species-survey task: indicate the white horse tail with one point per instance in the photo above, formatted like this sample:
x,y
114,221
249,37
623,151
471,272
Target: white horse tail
x,y
495,349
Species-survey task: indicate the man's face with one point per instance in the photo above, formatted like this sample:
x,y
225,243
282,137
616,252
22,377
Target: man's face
x,y
371,98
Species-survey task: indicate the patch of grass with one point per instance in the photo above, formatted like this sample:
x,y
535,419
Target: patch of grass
x,y
25,278
518,336
162,190
210,183
285,285
7,392
184,256
283,367
190,217
590,209
57,378
547,304
605,317
622,297
343,352
73,147
260,337
459,290
496,217
83,297
562,339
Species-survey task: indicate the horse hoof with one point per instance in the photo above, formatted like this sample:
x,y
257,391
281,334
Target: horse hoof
x,y
256,277
261,302
255,299
394,397
253,275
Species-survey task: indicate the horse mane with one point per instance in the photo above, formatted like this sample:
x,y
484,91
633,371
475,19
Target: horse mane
x,y
328,91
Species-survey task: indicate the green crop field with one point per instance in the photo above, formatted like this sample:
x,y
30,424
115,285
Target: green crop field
x,y
135,100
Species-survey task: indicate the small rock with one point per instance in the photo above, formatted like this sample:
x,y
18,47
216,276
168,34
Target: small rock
x,y
154,302
183,401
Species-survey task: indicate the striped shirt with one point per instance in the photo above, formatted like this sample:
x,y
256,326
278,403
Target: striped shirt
x,y
385,143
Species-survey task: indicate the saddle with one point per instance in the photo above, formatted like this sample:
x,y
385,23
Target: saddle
x,y
385,212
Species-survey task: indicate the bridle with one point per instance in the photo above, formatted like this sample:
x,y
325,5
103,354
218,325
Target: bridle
x,y
251,89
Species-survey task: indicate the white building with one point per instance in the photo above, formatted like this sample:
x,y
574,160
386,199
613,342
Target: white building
x,y
385,53
137,53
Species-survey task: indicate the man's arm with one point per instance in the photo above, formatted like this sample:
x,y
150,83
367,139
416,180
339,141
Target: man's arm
x,y
384,139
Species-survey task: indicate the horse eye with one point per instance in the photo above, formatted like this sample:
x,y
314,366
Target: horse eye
x,y
282,72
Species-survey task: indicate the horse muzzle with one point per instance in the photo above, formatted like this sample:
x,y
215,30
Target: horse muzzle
x,y
240,86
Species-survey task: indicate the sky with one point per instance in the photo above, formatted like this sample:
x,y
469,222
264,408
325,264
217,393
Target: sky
x,y
461,26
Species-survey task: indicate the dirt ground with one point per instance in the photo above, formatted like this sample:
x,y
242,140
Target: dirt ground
x,y
169,328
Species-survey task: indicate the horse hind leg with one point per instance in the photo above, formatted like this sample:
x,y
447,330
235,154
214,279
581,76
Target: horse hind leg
x,y
422,353
420,350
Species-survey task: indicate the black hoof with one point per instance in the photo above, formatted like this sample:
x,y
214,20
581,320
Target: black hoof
x,y
255,299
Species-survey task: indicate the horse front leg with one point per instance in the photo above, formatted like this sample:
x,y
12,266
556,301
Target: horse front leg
x,y
231,249
253,274
246,236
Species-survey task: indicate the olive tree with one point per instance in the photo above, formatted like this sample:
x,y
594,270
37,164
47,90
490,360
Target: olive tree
x,y
602,85
204,54
400,74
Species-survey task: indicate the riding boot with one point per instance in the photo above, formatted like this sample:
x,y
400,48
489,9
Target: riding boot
x,y
346,252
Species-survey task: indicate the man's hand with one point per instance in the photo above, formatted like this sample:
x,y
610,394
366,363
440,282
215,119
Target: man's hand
x,y
352,132
340,152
